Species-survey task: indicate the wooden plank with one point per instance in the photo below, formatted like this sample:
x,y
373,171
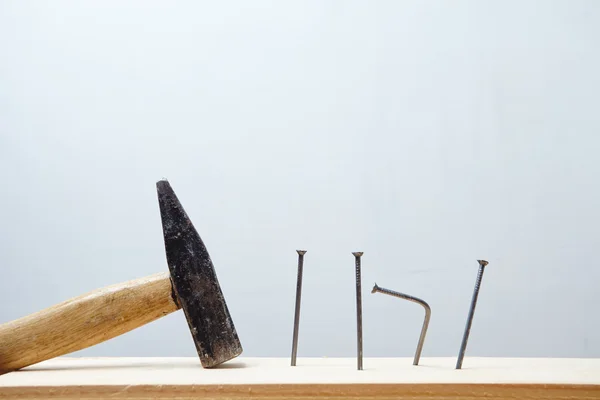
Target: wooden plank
x,y
274,378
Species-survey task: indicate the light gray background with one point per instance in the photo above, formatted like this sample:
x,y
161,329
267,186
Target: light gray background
x,y
426,134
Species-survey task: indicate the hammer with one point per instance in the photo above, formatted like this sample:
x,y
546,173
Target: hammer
x,y
191,284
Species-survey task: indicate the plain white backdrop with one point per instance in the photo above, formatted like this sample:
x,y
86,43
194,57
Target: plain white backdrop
x,y
426,134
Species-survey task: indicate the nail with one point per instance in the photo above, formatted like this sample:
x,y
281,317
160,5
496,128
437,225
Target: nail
x,y
298,297
425,322
357,256
463,346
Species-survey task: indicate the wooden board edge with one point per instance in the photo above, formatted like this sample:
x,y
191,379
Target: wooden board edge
x,y
308,391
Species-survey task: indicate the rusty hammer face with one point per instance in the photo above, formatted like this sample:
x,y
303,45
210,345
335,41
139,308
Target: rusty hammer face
x,y
195,283
105,313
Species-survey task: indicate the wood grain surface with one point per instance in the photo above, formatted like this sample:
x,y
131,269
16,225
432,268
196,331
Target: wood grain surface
x,y
84,321
327,378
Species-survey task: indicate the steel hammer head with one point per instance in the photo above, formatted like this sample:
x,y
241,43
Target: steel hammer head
x,y
195,284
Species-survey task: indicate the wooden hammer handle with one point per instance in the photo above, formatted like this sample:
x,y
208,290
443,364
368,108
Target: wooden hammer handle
x,y
84,321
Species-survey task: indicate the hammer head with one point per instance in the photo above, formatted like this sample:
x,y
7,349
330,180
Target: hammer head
x,y
195,283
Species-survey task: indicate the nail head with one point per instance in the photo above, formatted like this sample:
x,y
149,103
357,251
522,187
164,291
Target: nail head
x,y
301,252
358,253
482,262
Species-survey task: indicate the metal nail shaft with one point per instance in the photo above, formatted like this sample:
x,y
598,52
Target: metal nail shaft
x,y
359,354
298,298
425,322
463,346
